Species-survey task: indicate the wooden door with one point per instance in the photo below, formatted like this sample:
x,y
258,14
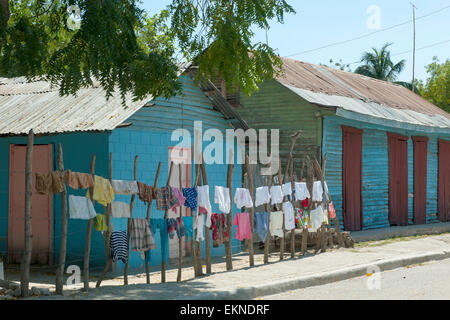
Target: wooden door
x,y
398,179
41,209
444,181
183,156
352,178
420,179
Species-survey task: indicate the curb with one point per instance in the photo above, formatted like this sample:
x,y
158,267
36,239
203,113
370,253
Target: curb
x,y
318,279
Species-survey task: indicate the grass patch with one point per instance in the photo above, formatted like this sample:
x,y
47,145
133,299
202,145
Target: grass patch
x,y
377,243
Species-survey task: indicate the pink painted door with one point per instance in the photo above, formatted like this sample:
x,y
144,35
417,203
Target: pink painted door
x,y
41,209
183,156
444,181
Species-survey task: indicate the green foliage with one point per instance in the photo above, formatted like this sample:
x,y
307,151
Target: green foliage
x,y
378,65
338,65
218,34
436,88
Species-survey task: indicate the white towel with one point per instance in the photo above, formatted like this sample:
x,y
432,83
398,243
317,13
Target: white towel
x,y
289,220
125,187
222,197
203,201
198,224
317,216
120,209
287,189
276,224
262,196
276,194
81,208
301,191
242,198
317,191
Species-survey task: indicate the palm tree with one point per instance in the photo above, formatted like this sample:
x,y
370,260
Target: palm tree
x,y
378,65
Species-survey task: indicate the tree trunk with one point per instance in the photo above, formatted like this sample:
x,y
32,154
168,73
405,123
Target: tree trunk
x,y
228,249
252,212
180,240
268,209
125,271
87,247
63,240
26,258
163,263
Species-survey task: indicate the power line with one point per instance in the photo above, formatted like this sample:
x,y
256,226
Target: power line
x,y
369,34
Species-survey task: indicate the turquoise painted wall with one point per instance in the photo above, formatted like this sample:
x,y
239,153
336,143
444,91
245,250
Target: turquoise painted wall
x,y
149,137
376,169
77,151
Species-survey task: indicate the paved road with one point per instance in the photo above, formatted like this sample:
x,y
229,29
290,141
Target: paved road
x,y
425,281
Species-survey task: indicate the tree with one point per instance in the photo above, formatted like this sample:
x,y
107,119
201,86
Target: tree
x,y
436,88
378,65
121,47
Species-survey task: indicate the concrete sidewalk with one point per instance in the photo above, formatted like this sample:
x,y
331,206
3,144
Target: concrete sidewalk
x,y
279,276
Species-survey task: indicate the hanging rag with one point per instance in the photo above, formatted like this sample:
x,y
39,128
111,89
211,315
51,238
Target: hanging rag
x,y
204,203
146,193
262,196
262,224
242,198
118,246
180,228
276,194
219,229
276,224
81,208
165,199
171,227
289,219
301,191
199,222
287,189
191,198
180,199
80,180
125,187
103,191
303,218
161,225
120,209
48,183
222,197
317,191
331,210
100,223
243,229
305,203
189,227
317,217
141,235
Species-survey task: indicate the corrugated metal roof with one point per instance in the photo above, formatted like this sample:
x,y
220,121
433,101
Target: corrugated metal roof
x,y
331,87
372,108
38,106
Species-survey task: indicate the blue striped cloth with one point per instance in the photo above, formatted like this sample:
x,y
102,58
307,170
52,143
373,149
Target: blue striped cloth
x,y
191,198
118,246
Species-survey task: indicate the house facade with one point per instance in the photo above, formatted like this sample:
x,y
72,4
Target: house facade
x,y
89,124
387,154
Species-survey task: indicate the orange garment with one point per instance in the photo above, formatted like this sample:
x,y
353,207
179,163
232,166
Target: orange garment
x,y
77,180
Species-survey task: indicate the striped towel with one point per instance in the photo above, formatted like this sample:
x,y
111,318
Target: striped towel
x,y
118,245
141,235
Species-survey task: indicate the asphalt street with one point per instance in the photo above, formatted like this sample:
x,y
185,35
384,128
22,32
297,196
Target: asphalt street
x,y
426,281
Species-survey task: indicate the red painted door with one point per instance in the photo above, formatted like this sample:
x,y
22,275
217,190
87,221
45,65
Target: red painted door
x,y
41,209
420,179
352,178
444,181
398,179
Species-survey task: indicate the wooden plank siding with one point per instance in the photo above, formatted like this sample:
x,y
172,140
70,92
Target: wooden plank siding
x,y
276,107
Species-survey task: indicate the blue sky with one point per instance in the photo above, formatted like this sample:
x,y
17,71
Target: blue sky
x,y
319,23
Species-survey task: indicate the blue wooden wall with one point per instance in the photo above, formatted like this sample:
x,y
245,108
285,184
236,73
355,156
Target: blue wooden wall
x,y
77,151
375,167
149,137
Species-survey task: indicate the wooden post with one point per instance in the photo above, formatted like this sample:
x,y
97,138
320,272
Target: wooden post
x,y
197,254
207,229
284,233
309,183
63,240
125,270
149,205
228,249
180,242
252,212
294,206
163,263
108,232
268,209
26,258
87,248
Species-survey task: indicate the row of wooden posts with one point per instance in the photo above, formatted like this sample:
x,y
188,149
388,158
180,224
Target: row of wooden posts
x,y
313,169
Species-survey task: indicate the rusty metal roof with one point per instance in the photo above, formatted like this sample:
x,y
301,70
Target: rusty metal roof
x,y
357,93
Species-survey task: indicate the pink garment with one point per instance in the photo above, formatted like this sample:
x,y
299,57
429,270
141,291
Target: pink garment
x,y
180,198
243,230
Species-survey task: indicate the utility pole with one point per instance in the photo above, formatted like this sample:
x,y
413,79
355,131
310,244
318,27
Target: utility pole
x,y
414,44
